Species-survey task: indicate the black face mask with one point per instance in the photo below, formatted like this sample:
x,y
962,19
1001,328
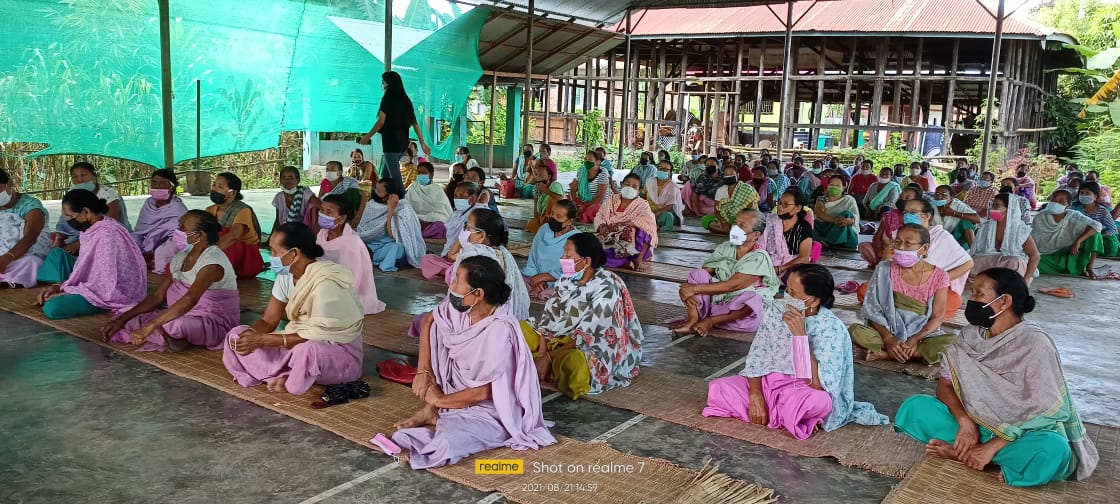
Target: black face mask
x,y
458,177
730,180
710,170
1022,174
555,225
1005,189
961,177
217,197
78,225
980,314
528,153
787,216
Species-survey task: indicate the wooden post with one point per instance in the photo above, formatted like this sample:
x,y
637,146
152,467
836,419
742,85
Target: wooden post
x,y
948,111
682,103
706,125
166,83
877,94
738,93
818,107
915,95
896,105
848,91
992,81
625,88
548,108
758,98
490,135
527,99
662,88
389,34
786,65
610,96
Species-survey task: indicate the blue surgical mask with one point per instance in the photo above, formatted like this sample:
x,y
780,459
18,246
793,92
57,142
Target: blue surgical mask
x,y
940,203
662,175
89,186
1086,200
984,183
695,157
462,204
910,218
424,179
1055,208
276,263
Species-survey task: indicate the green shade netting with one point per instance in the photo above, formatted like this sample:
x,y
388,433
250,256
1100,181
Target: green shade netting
x,y
83,76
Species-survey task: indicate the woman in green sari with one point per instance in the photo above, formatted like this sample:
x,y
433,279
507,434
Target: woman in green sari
x,y
837,217
1027,425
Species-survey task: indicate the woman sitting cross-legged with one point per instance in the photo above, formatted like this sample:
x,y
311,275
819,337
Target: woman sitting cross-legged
x,y
24,240
390,228
241,232
905,304
798,374
1067,241
475,376
486,235
956,217
59,262
1087,203
626,226
788,237
588,339
200,291
159,219
664,198
109,275
1004,240
548,192
734,284
322,342
882,195
342,245
732,197
1002,398
591,187
943,252
837,217
428,200
543,267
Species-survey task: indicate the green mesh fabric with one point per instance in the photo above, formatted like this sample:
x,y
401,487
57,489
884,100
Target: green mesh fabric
x,y
83,76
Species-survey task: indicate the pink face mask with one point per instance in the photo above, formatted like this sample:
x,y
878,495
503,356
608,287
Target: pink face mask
x,y
568,267
464,238
160,194
905,258
995,215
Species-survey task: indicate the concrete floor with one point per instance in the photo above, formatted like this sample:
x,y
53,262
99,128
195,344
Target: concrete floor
x,y
109,429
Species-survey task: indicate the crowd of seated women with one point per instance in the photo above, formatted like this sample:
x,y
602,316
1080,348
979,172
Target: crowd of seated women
x,y
483,358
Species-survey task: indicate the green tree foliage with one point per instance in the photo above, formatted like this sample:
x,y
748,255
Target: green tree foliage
x,y
478,129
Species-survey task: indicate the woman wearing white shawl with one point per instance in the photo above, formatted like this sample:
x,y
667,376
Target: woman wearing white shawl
x,y
322,343
944,251
1004,241
488,237
664,197
389,244
1068,242
798,373
466,201
1002,397
427,199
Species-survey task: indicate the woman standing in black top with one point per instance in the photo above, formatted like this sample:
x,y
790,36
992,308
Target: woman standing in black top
x,y
394,118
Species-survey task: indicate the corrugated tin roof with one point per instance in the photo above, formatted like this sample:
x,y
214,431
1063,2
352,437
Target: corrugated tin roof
x,y
958,17
558,45
609,12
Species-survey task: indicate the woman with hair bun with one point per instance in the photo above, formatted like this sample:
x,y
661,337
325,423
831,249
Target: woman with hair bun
x,y
798,374
199,289
109,276
589,339
1002,398
322,342
485,234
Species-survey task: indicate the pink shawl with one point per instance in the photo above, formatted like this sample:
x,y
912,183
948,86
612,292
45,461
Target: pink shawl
x,y
946,253
493,352
349,251
637,214
774,241
110,272
670,195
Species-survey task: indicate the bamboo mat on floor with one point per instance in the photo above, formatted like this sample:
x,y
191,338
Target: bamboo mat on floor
x,y
939,481
893,454
698,245
358,421
842,263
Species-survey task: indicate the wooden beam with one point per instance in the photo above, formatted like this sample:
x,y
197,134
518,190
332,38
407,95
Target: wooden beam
x,y
949,112
738,91
682,104
915,95
877,94
758,97
818,106
848,89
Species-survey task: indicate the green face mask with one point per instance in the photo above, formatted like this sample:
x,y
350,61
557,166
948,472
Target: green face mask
x,y
835,191
588,164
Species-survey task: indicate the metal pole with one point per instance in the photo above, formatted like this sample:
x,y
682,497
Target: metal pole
x,y
527,100
992,79
197,123
625,94
166,95
388,35
783,113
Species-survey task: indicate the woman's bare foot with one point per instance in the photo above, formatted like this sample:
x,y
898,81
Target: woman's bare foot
x,y
423,417
277,384
876,356
684,328
940,449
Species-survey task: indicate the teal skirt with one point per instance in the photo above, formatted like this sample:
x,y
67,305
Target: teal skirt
x,y
836,236
56,267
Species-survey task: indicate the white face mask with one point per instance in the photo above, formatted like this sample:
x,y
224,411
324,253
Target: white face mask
x,y
737,236
332,176
5,198
796,304
628,193
290,191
